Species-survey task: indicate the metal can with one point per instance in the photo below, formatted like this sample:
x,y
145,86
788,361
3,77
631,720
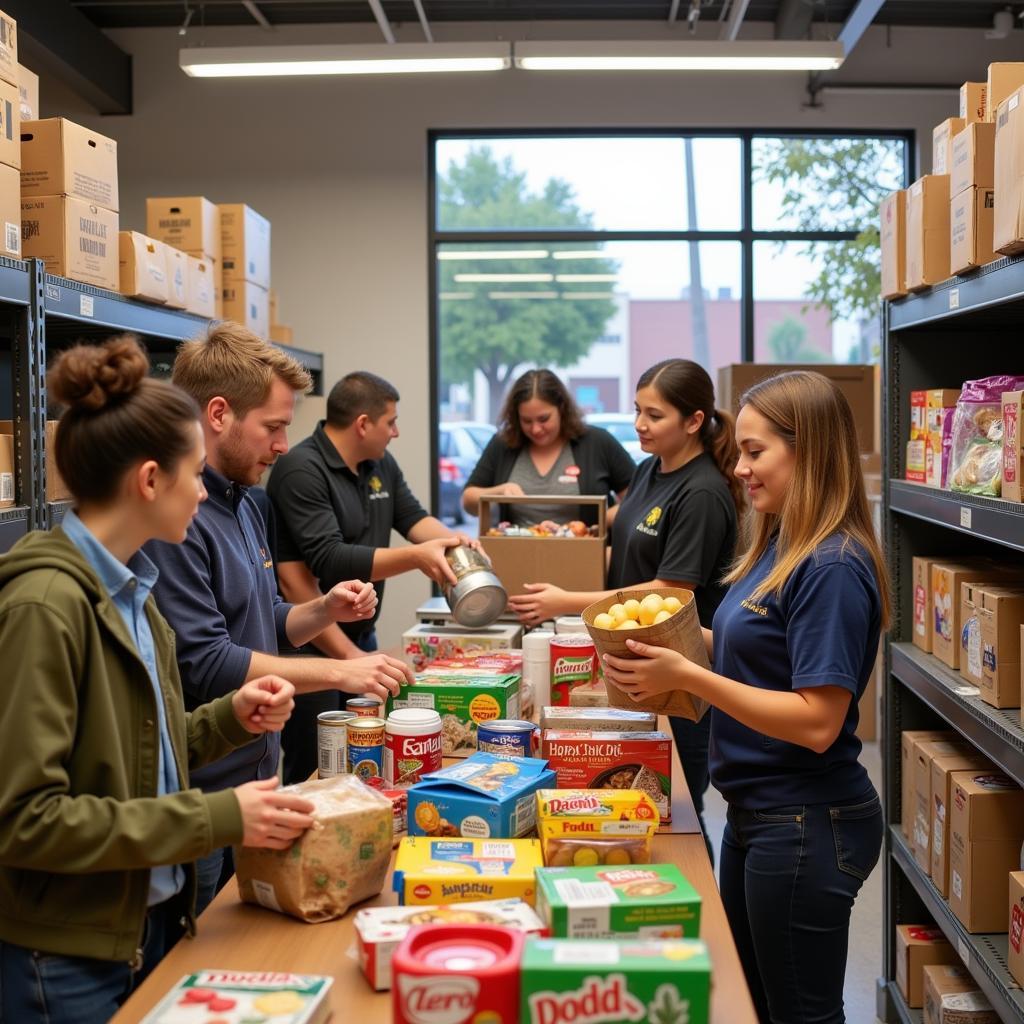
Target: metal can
x,y
507,737
366,747
365,707
412,746
573,663
332,743
478,597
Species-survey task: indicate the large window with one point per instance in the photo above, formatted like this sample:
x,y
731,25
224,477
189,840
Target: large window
x,y
598,255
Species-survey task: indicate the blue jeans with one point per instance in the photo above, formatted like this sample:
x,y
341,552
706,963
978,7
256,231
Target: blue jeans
x,y
43,988
212,872
691,742
789,876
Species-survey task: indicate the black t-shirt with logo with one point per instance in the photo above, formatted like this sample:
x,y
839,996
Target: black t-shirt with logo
x,y
676,526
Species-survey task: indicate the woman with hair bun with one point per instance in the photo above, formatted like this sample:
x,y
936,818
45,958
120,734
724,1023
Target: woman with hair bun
x,y
98,828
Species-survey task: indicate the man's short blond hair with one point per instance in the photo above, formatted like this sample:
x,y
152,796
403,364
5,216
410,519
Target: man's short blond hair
x,y
234,363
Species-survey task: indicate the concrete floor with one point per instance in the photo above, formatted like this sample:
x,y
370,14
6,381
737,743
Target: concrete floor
x,y
864,964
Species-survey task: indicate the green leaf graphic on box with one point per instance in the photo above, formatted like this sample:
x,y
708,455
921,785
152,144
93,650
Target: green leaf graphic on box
x,y
665,782
408,767
668,1008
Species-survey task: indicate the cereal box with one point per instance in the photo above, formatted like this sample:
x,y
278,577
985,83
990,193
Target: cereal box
x,y
381,929
612,760
445,871
600,719
499,661
666,982
425,642
584,827
234,997
486,796
462,701
654,901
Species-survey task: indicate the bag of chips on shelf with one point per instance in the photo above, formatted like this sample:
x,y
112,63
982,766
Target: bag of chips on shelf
x,y
975,460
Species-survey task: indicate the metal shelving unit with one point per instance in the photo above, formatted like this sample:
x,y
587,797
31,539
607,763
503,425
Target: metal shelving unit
x,y
962,329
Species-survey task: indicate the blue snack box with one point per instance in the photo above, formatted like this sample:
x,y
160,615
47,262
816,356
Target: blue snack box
x,y
484,797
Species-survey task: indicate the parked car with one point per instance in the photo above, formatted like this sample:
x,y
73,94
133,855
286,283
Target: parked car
x,y
459,446
622,426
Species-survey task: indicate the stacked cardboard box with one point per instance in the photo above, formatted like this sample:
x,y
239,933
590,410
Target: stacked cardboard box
x,y
280,333
973,107
143,267
893,213
191,226
927,231
245,245
10,140
28,93
972,197
916,946
1008,222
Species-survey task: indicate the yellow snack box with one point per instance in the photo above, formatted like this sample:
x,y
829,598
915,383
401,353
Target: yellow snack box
x,y
441,871
587,827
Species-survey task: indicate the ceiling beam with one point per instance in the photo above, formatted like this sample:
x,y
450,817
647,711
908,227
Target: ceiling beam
x,y
731,29
857,23
382,21
424,24
793,19
257,15
56,39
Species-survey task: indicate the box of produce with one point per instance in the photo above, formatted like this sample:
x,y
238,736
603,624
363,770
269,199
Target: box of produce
x,y
584,827
654,901
423,643
455,870
612,760
462,701
381,929
486,796
584,719
565,980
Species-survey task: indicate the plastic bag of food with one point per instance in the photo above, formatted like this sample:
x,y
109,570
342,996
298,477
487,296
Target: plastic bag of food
x,y
977,435
341,860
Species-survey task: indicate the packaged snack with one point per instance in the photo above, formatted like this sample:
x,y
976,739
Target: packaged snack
x,y
976,448
577,719
424,643
584,827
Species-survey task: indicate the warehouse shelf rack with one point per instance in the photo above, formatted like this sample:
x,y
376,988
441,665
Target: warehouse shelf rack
x,y
904,1014
962,329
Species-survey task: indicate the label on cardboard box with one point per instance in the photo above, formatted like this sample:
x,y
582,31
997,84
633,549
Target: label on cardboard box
x,y
8,49
75,239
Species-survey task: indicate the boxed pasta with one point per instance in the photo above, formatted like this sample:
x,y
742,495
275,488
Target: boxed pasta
x,y
453,870
485,796
341,860
585,827
424,643
590,719
612,760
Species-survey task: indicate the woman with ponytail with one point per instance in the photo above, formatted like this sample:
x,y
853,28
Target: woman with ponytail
x,y
98,828
793,645
676,526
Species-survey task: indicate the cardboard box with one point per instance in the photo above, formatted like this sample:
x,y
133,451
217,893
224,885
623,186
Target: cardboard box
x,y
189,223
916,946
143,267
74,239
8,49
245,247
970,632
424,643
947,624
246,304
56,489
952,996
921,835
587,719
177,277
942,144
961,758
973,158
7,471
1015,938
973,106
927,231
1012,445
280,334
201,297
908,739
893,216
917,462
921,629
275,311
59,157
10,125
10,212
1004,78
1000,615
1008,224
940,406
971,220
986,827
28,93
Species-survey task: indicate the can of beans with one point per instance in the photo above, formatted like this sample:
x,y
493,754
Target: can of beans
x,y
412,746
365,707
508,737
366,747
332,743
573,663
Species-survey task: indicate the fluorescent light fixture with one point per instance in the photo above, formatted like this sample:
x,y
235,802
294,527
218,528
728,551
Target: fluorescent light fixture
x,y
682,55
358,59
511,254
588,295
584,278
580,254
522,295
503,278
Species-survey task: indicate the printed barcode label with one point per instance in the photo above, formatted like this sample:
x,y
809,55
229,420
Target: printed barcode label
x,y
417,700
965,517
12,237
265,895
957,883
575,893
85,305
954,298
624,828
498,851
6,487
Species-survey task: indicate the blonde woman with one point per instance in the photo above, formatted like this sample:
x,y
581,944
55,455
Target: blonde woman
x,y
793,644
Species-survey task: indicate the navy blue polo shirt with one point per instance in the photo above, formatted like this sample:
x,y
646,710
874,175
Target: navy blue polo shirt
x,y
217,590
821,630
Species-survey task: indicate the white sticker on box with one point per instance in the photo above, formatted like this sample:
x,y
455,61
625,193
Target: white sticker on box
x,y
265,895
575,893
6,487
417,700
586,953
1014,100
85,305
498,851
965,516
625,828
964,950
12,237
957,883
937,838
972,644
474,827
593,922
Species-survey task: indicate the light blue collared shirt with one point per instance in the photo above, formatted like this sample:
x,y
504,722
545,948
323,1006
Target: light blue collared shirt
x,y
129,586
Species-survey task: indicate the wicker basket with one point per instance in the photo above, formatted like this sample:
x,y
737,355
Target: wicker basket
x,y
680,632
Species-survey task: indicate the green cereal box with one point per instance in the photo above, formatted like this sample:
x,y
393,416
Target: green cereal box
x,y
652,901
462,701
572,981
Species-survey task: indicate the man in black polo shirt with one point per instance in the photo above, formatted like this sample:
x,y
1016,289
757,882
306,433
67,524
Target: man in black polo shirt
x,y
337,496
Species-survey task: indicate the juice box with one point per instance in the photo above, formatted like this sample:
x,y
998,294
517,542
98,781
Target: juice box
x,y
567,980
653,901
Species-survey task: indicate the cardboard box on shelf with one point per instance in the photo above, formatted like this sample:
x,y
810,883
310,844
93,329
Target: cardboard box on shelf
x,y
947,578
986,827
960,757
893,217
142,264
974,158
56,489
908,739
28,93
1015,938
972,102
1000,616
917,462
942,144
921,629
927,231
7,471
8,49
1013,408
971,222
59,157
1004,78
75,239
246,304
916,946
970,632
245,247
941,404
10,211
189,223
177,277
925,751
10,125
281,334
1008,223
202,287
952,996
275,311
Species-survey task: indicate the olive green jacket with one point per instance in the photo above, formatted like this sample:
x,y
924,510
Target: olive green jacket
x,y
80,821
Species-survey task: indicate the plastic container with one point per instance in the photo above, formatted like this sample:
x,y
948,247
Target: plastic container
x,y
569,624
537,665
412,746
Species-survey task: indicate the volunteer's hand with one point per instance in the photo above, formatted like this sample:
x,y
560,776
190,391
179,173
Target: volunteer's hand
x,y
654,670
509,489
430,558
541,601
351,601
271,818
376,675
264,704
